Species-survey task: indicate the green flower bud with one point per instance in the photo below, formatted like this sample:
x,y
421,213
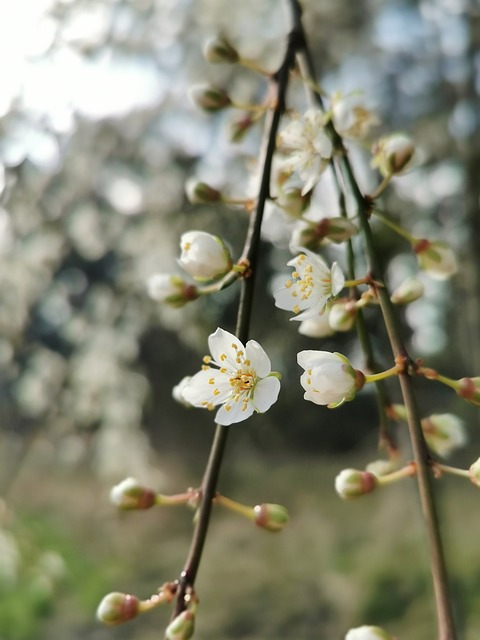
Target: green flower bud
x,y
209,98
218,50
116,608
352,483
272,517
410,290
182,627
436,258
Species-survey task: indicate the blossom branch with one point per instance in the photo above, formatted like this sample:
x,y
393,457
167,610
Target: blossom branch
x,y
446,627
250,257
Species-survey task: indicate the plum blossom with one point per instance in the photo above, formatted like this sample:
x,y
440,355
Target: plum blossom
x,y
312,285
310,147
329,378
242,384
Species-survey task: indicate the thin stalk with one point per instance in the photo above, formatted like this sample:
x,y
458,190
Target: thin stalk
x,y
446,627
250,255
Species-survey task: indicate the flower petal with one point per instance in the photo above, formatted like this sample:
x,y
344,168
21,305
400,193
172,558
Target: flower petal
x,y
237,412
258,359
311,358
220,345
266,393
210,385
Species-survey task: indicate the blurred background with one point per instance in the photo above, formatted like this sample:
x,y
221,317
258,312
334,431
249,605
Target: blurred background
x,y
97,139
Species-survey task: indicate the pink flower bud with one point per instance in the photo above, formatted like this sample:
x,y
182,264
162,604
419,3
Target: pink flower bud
x,y
209,98
272,517
116,608
351,483
218,50
130,494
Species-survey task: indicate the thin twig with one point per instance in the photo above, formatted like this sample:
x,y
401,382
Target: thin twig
x,y
250,254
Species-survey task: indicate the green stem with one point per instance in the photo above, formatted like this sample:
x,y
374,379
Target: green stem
x,y
249,254
446,627
394,227
454,471
382,375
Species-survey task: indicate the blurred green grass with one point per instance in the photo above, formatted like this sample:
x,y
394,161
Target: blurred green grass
x,y
336,564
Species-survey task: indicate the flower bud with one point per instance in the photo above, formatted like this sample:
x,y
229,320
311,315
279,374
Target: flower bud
x,y
316,327
218,50
340,229
329,378
398,412
444,433
116,608
342,316
239,127
209,98
351,483
368,633
410,290
201,193
171,289
182,627
469,389
293,201
350,118
130,494
392,154
475,472
272,517
204,256
436,258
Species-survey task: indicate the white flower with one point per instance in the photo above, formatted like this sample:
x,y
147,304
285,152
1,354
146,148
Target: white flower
x,y
444,433
242,384
311,149
204,256
350,118
367,633
436,258
329,379
311,286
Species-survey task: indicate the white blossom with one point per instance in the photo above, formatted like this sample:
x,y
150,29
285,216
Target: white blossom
x,y
444,433
204,256
329,379
316,327
350,118
240,380
436,258
392,154
367,633
310,147
312,285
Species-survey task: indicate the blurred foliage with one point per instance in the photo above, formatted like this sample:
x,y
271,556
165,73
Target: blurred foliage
x,y
97,138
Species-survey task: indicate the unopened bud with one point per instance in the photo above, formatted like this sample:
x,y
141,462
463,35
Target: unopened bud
x,y
116,608
342,316
171,289
352,483
410,290
469,389
444,433
392,154
201,193
205,257
130,494
272,517
340,229
293,201
398,412
316,327
219,50
209,98
474,472
182,627
436,258
239,127
368,633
